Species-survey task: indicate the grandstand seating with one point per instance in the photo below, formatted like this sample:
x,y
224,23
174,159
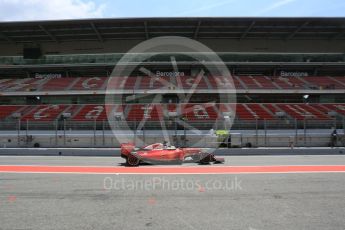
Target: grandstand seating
x,y
57,84
296,83
172,107
339,79
237,83
7,110
146,112
303,111
197,112
265,82
250,82
313,111
90,83
186,82
26,84
283,83
261,112
4,83
44,113
130,82
290,110
272,108
243,113
220,82
90,113
227,109
321,108
154,83
321,82
339,108
191,111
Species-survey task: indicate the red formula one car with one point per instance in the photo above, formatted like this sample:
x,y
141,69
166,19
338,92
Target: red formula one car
x,y
159,153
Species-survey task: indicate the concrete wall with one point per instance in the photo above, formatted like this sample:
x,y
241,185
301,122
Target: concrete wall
x,y
116,151
88,139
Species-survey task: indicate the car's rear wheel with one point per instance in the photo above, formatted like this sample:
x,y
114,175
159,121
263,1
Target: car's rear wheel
x,y
206,158
132,160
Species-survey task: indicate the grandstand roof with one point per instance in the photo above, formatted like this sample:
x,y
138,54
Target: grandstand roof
x,y
197,28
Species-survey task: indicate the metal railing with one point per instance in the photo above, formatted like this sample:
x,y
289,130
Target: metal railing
x,y
172,125
252,133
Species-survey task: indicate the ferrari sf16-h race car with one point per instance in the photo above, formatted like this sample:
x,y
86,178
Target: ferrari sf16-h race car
x,y
159,153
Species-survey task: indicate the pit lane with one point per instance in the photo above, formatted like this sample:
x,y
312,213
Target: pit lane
x,y
313,200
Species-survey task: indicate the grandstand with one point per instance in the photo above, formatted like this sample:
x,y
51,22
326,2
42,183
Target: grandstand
x,y
288,74
248,111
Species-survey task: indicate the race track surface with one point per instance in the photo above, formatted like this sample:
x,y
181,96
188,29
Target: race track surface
x,y
286,198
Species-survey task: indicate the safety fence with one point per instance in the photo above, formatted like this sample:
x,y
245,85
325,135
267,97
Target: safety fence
x,y
172,125
253,133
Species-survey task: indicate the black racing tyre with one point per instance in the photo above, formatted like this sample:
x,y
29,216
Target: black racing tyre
x,y
206,158
132,160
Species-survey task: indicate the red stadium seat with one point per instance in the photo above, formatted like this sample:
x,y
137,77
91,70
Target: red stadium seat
x,y
340,80
273,109
221,82
197,112
191,112
147,82
116,83
243,113
90,83
25,84
148,112
188,82
249,82
265,82
130,82
300,112
323,82
58,84
339,108
261,112
4,83
296,83
90,113
314,111
283,83
44,113
7,110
